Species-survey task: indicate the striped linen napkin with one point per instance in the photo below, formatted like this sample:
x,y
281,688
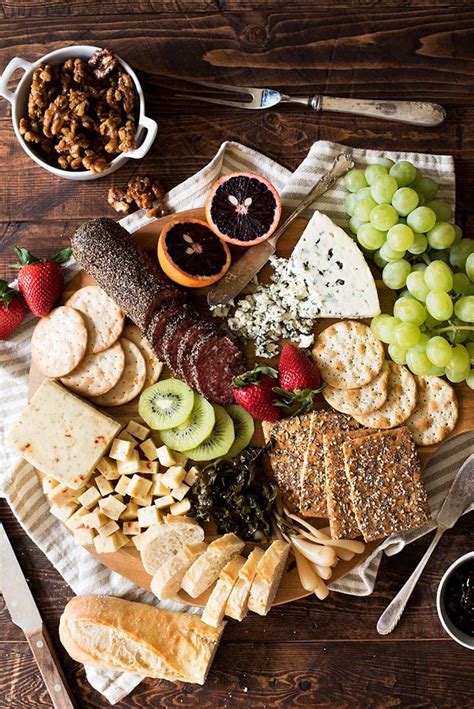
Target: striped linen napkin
x,y
18,482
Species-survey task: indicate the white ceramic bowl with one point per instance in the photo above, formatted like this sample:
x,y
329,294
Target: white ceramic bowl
x,y
18,98
450,628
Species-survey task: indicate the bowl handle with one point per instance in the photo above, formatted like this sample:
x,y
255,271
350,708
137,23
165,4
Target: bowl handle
x,y
151,127
13,65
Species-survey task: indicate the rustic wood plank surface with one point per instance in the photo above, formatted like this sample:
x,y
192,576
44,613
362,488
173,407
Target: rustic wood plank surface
x,y
306,653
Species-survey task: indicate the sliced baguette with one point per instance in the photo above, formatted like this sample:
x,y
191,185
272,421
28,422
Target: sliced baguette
x,y
215,608
267,579
237,603
167,580
207,568
162,541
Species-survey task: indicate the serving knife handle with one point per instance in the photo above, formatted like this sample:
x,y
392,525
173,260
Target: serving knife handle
x,y
53,676
417,113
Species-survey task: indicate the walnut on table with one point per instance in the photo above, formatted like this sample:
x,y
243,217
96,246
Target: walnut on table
x,y
141,190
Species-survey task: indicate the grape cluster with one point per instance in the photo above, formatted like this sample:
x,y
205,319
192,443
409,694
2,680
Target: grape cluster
x,y
399,223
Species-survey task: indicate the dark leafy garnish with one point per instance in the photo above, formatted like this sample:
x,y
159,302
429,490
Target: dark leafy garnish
x,y
235,495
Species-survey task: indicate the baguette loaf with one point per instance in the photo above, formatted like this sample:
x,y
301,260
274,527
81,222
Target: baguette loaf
x,y
112,633
207,568
215,607
270,569
162,541
167,580
237,604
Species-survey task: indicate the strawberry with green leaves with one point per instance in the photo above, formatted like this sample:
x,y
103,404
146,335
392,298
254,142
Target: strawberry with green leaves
x,y
40,281
254,392
12,310
299,380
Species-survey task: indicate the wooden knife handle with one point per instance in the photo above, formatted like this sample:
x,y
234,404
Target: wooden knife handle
x,y
414,112
53,676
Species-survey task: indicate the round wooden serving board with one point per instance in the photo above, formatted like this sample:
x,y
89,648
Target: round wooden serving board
x,y
127,561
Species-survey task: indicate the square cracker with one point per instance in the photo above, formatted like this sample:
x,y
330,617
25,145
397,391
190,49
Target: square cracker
x,y
387,491
313,501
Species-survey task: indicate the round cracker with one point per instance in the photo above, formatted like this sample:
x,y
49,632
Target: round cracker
x,y
359,402
348,355
153,365
400,403
436,411
97,373
132,380
103,317
59,342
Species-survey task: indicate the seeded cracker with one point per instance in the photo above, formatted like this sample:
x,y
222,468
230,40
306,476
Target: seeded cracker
x,y
153,365
59,342
103,317
436,411
387,491
132,380
359,402
97,373
400,403
313,502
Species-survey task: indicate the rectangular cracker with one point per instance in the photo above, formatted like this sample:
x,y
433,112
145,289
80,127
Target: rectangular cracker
x,y
313,475
387,491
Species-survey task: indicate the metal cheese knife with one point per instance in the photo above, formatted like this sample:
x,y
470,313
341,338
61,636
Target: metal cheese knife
x,y
460,496
242,271
25,614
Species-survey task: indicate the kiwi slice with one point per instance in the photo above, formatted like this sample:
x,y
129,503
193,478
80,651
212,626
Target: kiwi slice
x,y
166,404
219,441
244,429
194,430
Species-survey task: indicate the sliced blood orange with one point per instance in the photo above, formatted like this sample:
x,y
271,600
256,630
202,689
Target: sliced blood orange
x,y
243,208
191,254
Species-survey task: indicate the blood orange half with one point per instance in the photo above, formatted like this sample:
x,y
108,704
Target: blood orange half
x,y
243,208
191,254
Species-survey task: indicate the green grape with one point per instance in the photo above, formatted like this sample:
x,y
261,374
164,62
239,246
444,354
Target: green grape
x,y
383,189
378,260
354,180
405,293
436,371
409,310
355,224
419,246
418,362
421,200
406,335
425,186
386,162
383,327
400,237
389,255
461,284
404,172
383,216
470,379
464,307
460,359
363,192
416,285
422,219
397,354
470,349
363,208
470,267
439,351
458,233
350,202
439,304
419,266
369,237
457,376
441,208
422,342
438,275
394,275
405,200
441,236
373,171
459,253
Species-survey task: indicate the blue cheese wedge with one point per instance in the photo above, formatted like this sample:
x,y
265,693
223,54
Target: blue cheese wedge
x,y
334,271
61,435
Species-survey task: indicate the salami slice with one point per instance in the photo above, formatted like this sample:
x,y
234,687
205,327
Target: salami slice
x,y
193,334
156,330
174,339
217,362
188,364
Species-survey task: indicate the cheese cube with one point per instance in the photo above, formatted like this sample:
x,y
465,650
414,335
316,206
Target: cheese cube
x,y
104,485
83,536
148,516
61,435
48,484
143,501
148,449
94,519
63,513
191,476
138,486
130,513
180,458
180,508
107,545
125,436
129,465
108,528
165,456
174,476
131,528
137,540
62,495
108,468
121,486
120,449
148,467
89,498
76,519
179,492
157,488
111,507
137,430
165,501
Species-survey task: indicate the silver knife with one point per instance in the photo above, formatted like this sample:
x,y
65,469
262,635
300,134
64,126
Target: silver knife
x,y
458,499
24,613
242,271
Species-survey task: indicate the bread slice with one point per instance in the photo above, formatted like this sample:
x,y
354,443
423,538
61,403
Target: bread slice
x,y
167,580
237,603
267,579
215,607
162,541
207,568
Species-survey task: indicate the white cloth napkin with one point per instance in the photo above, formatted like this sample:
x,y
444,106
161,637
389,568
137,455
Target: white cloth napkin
x,y
18,482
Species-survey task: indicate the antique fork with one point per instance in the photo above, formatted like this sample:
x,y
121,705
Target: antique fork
x,y
413,112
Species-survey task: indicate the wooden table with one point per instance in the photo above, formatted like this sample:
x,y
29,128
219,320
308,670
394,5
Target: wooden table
x,y
307,653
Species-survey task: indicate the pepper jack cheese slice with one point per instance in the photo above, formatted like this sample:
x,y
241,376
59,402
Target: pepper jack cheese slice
x,y
61,435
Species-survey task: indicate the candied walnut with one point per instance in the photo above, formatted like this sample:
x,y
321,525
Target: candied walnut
x,y
26,130
103,63
95,163
125,89
118,200
141,190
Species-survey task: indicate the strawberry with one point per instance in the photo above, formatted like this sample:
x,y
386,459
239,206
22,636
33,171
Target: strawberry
x,y
12,310
299,380
254,392
40,281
